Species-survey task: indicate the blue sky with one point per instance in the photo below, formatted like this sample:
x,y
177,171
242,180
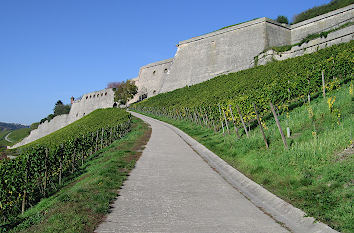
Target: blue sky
x,y
55,49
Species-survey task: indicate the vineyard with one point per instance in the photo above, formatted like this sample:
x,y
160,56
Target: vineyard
x,y
286,125
44,165
285,84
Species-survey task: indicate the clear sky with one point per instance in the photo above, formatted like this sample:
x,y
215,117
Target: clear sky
x,y
55,49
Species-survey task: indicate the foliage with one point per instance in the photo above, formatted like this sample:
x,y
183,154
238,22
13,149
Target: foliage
x,y
34,126
60,108
82,203
320,10
282,19
42,164
125,91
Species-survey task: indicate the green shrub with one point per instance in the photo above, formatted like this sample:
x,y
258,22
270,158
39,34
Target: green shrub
x,y
282,19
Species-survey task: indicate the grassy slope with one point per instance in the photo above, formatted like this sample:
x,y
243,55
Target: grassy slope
x,y
82,203
311,174
96,120
18,134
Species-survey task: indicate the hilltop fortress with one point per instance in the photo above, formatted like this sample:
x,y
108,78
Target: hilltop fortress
x,y
220,52
237,48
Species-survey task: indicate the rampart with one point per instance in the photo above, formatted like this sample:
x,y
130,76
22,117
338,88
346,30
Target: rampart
x,y
234,48
88,103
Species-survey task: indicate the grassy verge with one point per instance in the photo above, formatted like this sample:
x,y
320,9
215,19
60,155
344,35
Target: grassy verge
x,y
81,205
315,174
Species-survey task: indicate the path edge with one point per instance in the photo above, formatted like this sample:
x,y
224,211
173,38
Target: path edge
x,y
285,213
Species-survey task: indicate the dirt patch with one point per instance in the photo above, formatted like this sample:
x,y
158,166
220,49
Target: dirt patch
x,y
345,154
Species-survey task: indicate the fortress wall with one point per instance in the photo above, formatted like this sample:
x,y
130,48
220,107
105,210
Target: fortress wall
x,y
204,57
151,77
277,34
90,102
341,36
43,129
321,23
80,108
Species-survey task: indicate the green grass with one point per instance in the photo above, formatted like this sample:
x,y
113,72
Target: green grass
x,y
82,203
15,136
320,10
18,134
312,174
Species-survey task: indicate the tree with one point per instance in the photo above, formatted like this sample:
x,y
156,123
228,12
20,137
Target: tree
x,y
124,91
61,108
282,19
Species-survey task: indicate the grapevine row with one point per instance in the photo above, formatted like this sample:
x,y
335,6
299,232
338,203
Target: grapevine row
x,y
40,169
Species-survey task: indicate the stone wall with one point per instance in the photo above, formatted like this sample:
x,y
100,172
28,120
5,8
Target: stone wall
x,y
321,23
341,36
227,50
233,49
88,103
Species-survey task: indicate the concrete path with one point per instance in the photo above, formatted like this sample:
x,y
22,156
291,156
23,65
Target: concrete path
x,y
172,189
6,138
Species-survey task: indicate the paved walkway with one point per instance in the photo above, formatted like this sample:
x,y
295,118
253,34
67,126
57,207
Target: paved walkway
x,y
7,137
172,189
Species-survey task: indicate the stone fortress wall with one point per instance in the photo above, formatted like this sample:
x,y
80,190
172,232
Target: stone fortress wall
x,y
234,48
79,108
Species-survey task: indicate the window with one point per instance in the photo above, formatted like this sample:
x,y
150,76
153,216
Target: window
x,y
165,70
86,97
105,93
153,73
101,94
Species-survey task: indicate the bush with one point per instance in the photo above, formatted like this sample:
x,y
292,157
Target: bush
x,y
34,125
282,19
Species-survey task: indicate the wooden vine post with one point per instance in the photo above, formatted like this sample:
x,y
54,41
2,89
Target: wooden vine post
x,y
60,164
222,121
227,125
242,121
46,170
23,206
278,124
212,120
308,95
96,141
233,121
102,138
260,126
323,85
73,161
